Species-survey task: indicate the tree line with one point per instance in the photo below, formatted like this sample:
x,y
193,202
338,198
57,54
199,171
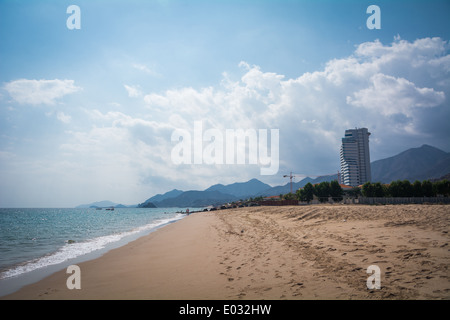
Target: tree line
x,y
404,188
322,191
400,188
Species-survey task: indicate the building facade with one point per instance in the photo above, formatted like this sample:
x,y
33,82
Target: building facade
x,y
355,157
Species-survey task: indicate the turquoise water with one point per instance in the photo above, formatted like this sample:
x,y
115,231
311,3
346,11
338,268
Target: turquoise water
x,y
31,239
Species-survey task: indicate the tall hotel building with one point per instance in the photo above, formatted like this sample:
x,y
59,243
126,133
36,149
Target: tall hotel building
x,y
355,157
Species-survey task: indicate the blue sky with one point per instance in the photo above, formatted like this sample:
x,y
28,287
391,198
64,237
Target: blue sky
x,y
87,115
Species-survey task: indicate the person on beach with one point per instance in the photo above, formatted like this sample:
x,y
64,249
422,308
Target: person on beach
x,y
187,211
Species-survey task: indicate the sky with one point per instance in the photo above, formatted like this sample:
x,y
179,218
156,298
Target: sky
x,y
91,113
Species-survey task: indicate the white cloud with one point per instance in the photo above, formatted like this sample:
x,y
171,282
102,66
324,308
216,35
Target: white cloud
x,y
390,95
382,87
133,91
122,155
156,100
36,92
63,117
421,49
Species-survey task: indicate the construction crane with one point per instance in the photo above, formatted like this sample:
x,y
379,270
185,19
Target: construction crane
x,y
291,176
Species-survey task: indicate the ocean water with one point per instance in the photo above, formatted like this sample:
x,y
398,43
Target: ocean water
x,y
36,239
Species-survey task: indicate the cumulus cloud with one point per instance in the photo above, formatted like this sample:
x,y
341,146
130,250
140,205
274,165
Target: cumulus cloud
x,y
390,95
382,87
395,90
121,154
37,92
156,100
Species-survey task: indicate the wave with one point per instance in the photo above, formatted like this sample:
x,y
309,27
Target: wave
x,y
78,249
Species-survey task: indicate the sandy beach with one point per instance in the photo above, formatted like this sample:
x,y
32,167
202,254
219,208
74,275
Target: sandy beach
x,y
301,252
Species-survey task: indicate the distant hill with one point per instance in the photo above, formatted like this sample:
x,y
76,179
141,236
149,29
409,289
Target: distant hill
x,y
150,202
146,204
425,162
219,193
196,199
437,171
446,177
241,190
160,197
275,191
104,204
214,195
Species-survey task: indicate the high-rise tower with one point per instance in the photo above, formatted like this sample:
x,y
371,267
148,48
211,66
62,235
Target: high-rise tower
x,y
355,157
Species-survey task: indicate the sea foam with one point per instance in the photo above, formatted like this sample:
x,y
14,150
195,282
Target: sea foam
x,y
78,249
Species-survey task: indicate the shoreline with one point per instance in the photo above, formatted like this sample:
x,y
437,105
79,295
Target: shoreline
x,y
279,253
54,285
13,284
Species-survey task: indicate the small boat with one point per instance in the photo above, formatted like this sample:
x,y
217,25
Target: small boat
x,y
111,209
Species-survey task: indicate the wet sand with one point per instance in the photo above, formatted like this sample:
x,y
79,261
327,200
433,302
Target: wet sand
x,y
301,252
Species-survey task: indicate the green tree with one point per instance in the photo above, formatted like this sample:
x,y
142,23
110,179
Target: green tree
x,y
407,189
306,193
427,188
395,189
385,190
336,191
442,187
322,191
417,189
401,188
378,190
289,196
367,190
447,188
354,192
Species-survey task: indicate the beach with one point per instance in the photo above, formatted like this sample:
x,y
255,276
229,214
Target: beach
x,y
286,252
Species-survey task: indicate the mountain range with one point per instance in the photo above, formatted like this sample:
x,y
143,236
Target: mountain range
x,y
104,204
219,194
425,162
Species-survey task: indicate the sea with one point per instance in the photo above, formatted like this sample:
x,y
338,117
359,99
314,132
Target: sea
x,y
35,243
